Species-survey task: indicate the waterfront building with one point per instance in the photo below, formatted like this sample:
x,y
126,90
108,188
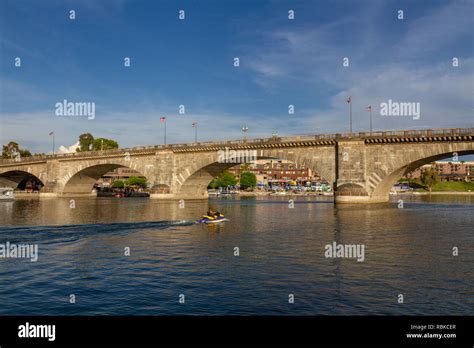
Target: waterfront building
x,y
277,173
117,174
447,171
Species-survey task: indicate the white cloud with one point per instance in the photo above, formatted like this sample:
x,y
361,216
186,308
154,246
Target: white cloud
x,y
128,129
296,59
437,30
445,95
69,149
312,59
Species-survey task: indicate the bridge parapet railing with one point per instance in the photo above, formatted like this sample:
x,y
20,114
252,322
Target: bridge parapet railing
x,y
410,133
274,139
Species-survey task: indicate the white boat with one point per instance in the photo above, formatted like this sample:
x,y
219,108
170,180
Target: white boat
x,y
278,193
6,194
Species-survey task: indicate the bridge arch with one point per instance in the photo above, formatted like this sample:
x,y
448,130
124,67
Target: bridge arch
x,y
380,180
83,179
193,179
20,179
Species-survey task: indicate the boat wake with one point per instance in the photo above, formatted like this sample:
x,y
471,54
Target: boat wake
x,y
54,233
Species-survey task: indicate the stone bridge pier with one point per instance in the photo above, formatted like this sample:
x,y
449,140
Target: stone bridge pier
x,y
368,169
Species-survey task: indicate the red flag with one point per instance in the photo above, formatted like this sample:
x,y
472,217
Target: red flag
x,y
162,119
349,100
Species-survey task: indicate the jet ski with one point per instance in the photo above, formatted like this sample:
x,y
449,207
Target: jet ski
x,y
206,219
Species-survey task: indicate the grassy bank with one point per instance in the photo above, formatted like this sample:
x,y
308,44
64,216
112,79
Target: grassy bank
x,y
447,186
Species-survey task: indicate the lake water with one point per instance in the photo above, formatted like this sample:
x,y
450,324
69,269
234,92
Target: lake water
x,y
81,251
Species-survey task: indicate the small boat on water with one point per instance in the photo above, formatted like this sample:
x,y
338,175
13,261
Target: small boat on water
x,y
206,219
6,194
278,193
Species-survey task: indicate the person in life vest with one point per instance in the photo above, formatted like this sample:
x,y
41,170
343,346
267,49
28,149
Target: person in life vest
x,y
213,214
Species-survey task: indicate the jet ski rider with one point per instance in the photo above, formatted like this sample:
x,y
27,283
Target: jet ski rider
x,y
212,213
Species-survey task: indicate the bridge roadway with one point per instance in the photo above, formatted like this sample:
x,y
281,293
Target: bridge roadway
x,y
362,167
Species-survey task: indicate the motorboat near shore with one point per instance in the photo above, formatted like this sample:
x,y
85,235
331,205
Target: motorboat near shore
x,y
6,194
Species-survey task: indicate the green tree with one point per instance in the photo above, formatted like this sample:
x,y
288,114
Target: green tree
x,y
118,184
100,144
25,153
213,184
226,179
248,180
223,180
12,150
429,178
85,142
136,181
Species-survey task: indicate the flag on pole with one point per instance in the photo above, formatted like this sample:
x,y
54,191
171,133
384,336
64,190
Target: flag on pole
x,y
195,132
369,108
51,133
162,119
349,101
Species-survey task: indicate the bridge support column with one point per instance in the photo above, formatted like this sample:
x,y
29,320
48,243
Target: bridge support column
x,y
351,173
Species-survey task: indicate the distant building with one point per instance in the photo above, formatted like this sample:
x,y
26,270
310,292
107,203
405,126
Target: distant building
x,y
447,171
276,172
117,174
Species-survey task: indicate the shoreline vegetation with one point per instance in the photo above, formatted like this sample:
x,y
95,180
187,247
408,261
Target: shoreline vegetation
x,y
396,193
441,186
329,194
250,194
135,186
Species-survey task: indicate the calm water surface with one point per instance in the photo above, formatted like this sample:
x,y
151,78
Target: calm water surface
x,y
81,251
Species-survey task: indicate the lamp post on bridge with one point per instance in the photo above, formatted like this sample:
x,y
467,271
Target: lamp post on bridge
x,y
245,129
195,126
163,120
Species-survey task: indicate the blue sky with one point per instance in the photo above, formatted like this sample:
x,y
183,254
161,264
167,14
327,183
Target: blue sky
x,y
190,62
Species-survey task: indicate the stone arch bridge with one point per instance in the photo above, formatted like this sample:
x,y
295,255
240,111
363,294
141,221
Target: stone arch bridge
x,y
362,167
